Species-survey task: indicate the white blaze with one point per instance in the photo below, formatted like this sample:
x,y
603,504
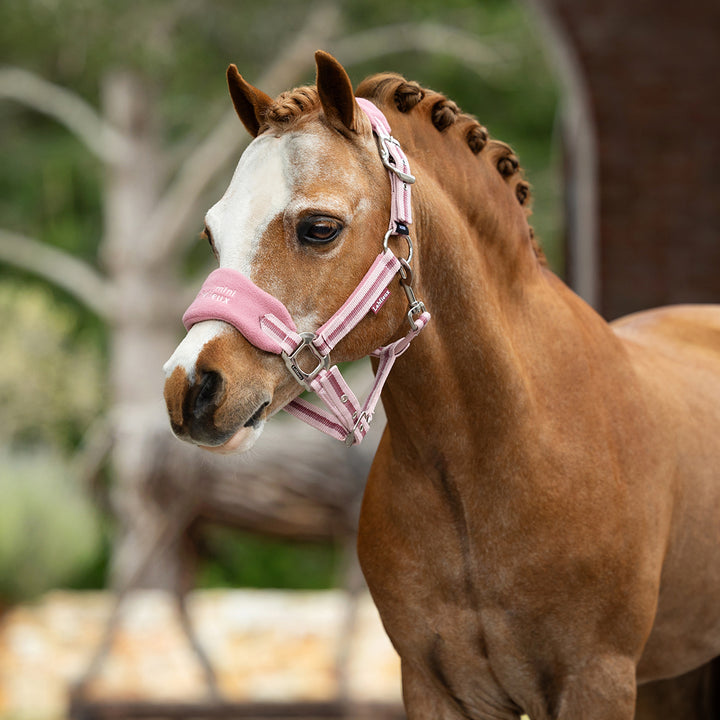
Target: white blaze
x,y
258,192
186,353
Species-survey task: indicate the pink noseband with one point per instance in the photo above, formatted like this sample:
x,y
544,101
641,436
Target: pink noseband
x,y
265,322
233,297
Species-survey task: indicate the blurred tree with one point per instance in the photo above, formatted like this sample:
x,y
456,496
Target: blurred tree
x,y
141,85
49,530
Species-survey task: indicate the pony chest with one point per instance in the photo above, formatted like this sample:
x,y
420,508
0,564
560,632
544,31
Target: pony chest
x,y
448,645
433,577
420,536
422,564
461,650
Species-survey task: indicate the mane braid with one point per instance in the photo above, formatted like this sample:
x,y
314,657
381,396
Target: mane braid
x,y
393,89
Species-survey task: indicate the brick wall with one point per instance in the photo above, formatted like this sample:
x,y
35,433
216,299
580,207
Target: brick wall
x,y
653,71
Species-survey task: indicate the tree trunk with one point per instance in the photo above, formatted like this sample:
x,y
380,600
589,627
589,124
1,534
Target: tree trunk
x,y
143,330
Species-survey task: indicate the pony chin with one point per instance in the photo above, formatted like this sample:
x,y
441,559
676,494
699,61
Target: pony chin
x,y
240,442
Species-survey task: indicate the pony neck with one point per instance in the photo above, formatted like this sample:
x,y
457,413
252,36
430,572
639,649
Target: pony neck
x,y
499,317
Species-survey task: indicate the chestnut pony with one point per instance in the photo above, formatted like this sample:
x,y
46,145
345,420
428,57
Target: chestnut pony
x,y
541,526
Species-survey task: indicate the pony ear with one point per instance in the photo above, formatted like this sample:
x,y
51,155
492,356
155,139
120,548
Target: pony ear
x,y
250,103
336,92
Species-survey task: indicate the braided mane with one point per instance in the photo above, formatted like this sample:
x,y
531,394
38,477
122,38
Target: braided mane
x,y
293,107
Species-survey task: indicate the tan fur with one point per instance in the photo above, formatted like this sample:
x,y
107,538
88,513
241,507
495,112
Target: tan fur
x,y
176,387
540,527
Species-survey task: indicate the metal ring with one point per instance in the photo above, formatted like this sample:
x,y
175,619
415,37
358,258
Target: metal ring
x,y
390,234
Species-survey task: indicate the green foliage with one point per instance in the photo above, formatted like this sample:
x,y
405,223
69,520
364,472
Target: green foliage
x,y
240,559
49,185
49,532
52,374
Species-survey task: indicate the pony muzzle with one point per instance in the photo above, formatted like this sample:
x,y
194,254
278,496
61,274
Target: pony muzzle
x,y
204,411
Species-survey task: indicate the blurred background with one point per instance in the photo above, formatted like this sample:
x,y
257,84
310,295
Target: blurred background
x,y
116,134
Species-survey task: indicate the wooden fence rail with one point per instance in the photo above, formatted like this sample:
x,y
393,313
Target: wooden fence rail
x,y
86,709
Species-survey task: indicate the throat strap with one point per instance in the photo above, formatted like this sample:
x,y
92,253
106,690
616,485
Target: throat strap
x,y
349,420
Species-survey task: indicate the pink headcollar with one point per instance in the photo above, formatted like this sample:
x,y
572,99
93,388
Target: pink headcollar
x,y
265,322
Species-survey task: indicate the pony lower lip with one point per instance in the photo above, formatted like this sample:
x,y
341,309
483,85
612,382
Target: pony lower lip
x,y
240,441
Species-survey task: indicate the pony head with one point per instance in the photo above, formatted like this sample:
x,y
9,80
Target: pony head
x,y
303,219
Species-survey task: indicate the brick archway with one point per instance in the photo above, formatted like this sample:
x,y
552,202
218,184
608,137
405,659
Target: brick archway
x,y
644,185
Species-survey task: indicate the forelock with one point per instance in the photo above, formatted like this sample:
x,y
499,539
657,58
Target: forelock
x,y
292,107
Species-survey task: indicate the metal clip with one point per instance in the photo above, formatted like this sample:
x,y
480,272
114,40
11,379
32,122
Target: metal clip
x,y
350,437
305,378
415,306
387,159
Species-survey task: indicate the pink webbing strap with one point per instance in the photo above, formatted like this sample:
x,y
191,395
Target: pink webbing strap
x,y
262,319
361,301
347,419
355,418
395,161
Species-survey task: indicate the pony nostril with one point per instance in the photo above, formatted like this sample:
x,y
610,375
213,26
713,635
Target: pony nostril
x,y
210,390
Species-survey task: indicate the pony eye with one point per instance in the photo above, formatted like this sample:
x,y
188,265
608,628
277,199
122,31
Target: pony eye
x,y
207,236
318,230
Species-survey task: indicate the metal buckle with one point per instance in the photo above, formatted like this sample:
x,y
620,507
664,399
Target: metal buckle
x,y
386,158
350,437
305,378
